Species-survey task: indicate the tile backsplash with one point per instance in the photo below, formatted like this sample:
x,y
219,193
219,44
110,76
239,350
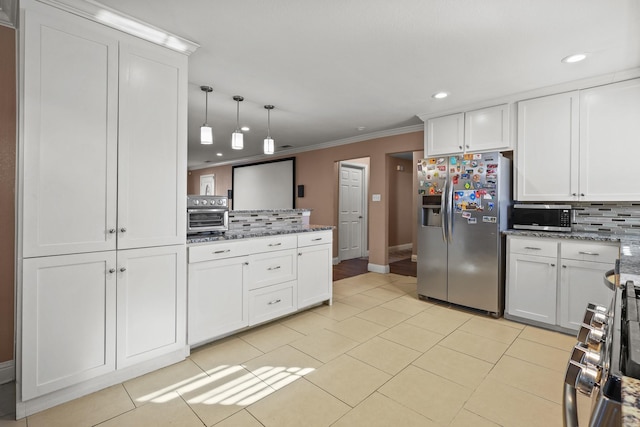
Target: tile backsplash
x,y
267,219
614,218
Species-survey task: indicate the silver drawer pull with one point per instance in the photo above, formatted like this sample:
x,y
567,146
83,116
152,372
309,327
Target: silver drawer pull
x,y
588,253
532,248
222,252
112,270
277,267
275,301
315,240
274,244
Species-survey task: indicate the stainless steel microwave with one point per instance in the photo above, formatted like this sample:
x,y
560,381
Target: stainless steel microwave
x,y
541,217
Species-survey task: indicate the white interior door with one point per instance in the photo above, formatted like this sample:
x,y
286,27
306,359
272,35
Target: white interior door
x,y
352,217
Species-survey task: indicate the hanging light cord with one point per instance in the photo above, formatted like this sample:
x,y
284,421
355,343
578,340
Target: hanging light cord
x,y
269,123
238,115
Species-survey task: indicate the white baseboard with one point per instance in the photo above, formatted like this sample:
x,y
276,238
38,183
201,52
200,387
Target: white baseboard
x,y
7,371
400,247
414,258
376,268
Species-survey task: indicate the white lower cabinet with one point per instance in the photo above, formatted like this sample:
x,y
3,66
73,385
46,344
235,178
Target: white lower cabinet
x,y
315,278
86,315
218,301
68,320
151,303
259,280
532,287
554,286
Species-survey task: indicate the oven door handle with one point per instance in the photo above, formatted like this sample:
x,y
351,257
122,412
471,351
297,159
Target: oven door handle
x,y
207,210
569,406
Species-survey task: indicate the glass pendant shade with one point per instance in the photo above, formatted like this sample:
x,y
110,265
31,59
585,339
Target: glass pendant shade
x,y
237,140
269,146
206,135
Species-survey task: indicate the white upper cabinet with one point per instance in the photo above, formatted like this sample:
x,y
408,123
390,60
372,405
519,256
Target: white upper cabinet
x,y
152,155
570,146
486,129
104,138
444,135
546,153
70,114
609,132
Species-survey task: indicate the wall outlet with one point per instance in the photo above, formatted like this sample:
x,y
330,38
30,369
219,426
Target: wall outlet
x,y
375,198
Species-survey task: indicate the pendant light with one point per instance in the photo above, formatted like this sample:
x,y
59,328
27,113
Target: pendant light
x,y
206,133
268,141
237,138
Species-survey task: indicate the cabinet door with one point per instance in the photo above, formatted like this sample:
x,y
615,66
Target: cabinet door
x,y
69,135
152,146
609,129
315,278
581,282
547,148
487,129
531,287
68,320
218,302
151,303
444,135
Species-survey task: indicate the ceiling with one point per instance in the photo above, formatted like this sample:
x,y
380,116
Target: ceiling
x,y
340,69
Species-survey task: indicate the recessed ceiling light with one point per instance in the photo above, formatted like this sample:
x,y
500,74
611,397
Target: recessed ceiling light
x,y
244,128
360,128
574,58
440,95
219,154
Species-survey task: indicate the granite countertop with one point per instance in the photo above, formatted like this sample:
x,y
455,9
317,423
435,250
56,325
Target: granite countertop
x,y
629,270
246,234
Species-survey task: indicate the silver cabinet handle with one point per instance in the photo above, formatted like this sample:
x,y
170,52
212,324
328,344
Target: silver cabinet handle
x,y
246,263
460,147
275,301
467,146
274,244
299,253
533,248
112,270
582,194
574,194
277,267
112,230
222,252
588,253
123,230
123,269
564,266
319,238
552,265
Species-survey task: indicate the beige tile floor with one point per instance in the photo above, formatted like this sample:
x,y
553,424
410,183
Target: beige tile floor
x,y
377,357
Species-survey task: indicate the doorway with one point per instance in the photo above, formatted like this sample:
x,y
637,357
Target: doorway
x,y
352,209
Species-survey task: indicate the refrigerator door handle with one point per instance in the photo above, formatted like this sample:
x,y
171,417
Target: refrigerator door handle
x,y
450,209
443,212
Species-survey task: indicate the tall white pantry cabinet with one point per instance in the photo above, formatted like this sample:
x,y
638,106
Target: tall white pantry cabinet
x,y
102,193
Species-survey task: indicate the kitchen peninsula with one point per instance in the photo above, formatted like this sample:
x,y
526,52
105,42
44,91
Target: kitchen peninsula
x,y
270,263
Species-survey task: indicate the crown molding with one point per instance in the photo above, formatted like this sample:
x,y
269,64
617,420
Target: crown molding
x,y
345,141
105,15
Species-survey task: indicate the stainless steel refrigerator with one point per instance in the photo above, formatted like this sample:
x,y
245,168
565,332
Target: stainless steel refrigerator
x,y
463,204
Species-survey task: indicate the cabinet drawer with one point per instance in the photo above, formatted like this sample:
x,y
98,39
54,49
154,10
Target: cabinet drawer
x,y
538,247
597,252
272,267
314,238
219,250
272,301
273,243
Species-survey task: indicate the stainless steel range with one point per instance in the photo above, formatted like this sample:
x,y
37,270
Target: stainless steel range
x,y
608,351
207,214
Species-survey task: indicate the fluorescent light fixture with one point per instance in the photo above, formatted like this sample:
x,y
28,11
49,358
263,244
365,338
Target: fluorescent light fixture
x,y
440,95
577,57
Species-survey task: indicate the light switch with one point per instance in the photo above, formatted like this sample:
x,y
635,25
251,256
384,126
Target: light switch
x,y
375,198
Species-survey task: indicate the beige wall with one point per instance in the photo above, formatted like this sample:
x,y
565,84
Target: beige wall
x,y
401,202
7,189
317,171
